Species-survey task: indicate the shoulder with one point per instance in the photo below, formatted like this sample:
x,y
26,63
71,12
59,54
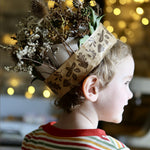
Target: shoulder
x,y
31,139
117,144
34,133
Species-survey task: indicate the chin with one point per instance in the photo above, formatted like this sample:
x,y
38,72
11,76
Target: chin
x,y
117,120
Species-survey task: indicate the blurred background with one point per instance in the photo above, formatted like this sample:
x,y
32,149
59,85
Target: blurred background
x,y
25,106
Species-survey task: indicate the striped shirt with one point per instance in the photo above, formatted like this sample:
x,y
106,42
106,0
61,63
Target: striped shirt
x,y
48,137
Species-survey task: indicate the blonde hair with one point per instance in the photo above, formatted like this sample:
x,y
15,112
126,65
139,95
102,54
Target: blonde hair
x,y
105,72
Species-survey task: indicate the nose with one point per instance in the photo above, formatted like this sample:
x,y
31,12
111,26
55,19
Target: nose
x,y
130,94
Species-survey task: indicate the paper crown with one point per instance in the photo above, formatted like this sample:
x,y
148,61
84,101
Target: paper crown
x,y
60,46
82,62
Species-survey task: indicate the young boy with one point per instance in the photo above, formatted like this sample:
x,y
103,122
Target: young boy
x,y
102,96
92,82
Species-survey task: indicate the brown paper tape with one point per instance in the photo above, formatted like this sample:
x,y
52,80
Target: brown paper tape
x,y
82,62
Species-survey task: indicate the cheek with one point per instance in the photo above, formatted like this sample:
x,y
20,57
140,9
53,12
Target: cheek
x,y
114,100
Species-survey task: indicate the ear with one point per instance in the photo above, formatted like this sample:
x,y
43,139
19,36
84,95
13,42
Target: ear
x,y
90,88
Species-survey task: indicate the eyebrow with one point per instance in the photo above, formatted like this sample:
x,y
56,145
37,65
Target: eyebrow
x,y
128,77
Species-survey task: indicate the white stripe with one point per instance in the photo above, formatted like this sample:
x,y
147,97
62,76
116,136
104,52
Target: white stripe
x,y
98,140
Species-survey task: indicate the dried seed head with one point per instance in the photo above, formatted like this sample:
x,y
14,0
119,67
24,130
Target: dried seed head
x,y
39,9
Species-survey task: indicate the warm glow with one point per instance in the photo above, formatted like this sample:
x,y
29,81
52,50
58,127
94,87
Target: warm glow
x,y
14,82
115,34
110,29
145,21
129,33
122,2
134,25
109,9
112,1
134,15
117,11
51,4
6,39
139,1
28,95
139,10
46,93
122,24
69,3
92,3
123,39
106,23
10,91
129,1
31,89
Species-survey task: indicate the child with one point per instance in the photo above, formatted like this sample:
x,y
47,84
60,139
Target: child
x,y
101,96
92,82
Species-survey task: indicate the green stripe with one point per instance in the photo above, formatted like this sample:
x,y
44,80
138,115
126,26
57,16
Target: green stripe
x,y
52,146
113,141
104,142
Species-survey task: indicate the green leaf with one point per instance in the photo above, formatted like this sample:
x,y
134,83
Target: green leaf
x,y
93,17
91,28
98,19
81,41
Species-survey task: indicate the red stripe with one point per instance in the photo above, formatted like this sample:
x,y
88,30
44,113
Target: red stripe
x,y
22,148
64,143
122,144
49,128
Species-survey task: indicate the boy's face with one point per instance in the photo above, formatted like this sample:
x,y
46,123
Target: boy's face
x,y
115,96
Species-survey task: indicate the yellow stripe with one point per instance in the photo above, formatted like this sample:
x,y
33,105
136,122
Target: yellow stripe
x,y
72,139
32,145
118,143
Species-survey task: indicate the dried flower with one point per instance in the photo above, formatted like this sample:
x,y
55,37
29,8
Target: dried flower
x,y
44,28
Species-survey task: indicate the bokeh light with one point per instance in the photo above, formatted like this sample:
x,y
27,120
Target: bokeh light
x,y
10,91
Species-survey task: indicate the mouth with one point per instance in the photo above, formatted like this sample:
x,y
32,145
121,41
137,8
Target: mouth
x,y
125,104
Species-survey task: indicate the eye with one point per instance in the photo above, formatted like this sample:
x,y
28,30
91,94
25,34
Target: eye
x,y
127,82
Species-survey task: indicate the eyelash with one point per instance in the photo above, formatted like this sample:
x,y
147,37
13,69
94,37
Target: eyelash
x,y
127,83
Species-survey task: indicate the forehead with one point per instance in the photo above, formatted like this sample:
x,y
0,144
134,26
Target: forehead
x,y
125,68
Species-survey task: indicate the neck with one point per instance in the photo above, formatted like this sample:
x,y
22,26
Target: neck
x,y
78,119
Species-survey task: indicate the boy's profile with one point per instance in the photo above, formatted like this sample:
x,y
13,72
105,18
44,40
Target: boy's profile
x,y
85,66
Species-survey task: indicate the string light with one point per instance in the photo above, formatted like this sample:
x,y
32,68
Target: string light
x,y
106,23
139,10
31,89
10,91
129,33
129,20
129,1
117,11
122,2
109,9
145,21
110,28
51,4
28,95
92,3
6,39
112,1
139,1
14,82
46,93
122,24
123,39
69,3
115,34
